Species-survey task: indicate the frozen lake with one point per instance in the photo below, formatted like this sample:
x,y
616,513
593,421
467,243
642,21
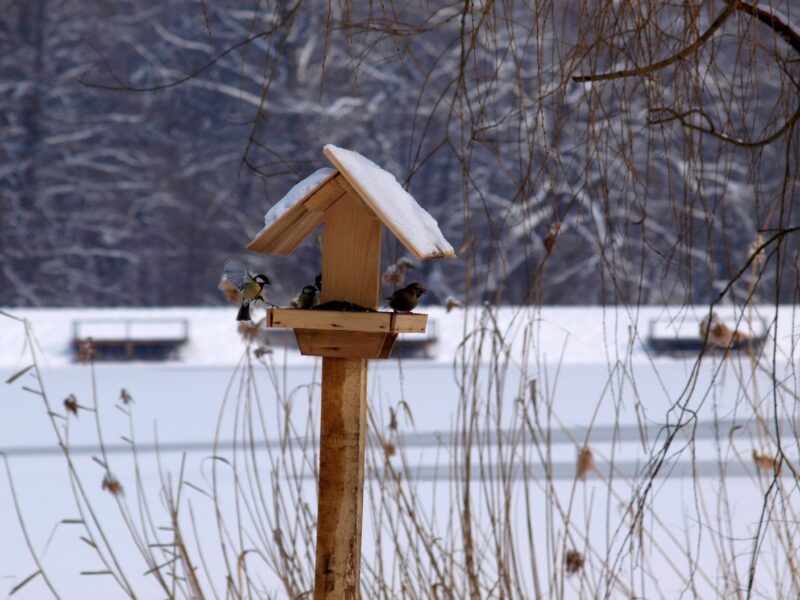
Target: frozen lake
x,y
620,402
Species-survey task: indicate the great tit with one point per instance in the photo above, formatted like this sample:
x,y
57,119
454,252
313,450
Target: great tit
x,y
307,298
406,299
247,283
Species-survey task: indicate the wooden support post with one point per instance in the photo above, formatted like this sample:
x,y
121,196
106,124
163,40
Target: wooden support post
x,y
351,254
341,478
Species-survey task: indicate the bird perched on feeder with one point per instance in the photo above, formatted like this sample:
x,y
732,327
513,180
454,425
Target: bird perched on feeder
x,y
407,298
248,284
307,298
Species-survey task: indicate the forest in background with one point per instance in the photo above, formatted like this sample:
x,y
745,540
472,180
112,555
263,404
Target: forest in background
x,y
144,141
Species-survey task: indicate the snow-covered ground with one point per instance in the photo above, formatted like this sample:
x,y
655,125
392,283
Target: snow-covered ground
x,y
596,383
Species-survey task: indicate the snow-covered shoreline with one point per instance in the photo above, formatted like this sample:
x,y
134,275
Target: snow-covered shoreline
x,y
551,334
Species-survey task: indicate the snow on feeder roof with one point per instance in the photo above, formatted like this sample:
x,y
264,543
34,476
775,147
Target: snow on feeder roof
x,y
302,209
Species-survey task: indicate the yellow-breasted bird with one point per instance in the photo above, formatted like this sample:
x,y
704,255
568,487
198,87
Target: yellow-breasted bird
x,y
247,283
406,299
307,298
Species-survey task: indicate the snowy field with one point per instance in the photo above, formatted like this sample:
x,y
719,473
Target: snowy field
x,y
596,384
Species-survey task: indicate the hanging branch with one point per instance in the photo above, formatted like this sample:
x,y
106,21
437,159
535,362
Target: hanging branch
x,y
664,114
657,66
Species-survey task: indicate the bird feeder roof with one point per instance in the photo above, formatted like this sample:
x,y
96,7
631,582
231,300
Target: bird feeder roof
x,y
302,209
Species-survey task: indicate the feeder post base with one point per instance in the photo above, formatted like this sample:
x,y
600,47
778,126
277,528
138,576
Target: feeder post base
x,y
342,437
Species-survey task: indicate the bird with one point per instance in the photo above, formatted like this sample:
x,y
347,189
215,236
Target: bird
x,y
406,299
718,333
248,284
318,282
307,298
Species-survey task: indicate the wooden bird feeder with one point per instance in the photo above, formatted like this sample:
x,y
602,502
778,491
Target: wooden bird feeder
x,y
351,200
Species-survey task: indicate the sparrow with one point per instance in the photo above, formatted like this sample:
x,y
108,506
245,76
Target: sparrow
x,y
248,284
406,299
307,298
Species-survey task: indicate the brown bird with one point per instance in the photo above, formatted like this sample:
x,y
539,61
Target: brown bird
x,y
718,333
406,299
